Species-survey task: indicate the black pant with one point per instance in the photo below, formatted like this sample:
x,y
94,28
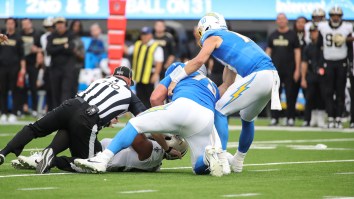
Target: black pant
x,y
62,80
8,80
144,91
69,116
314,96
48,88
32,72
334,80
351,78
291,91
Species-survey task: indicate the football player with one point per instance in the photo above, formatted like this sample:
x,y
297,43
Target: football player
x,y
190,115
318,15
335,36
249,95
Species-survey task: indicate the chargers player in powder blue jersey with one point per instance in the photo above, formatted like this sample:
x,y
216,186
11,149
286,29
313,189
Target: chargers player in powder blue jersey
x,y
249,94
189,115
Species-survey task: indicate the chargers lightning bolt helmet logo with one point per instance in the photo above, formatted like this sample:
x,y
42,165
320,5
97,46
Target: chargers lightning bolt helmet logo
x,y
239,91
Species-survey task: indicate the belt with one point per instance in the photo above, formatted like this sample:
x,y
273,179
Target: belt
x,y
91,110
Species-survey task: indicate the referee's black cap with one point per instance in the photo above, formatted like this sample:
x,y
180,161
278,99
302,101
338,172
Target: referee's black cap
x,y
124,71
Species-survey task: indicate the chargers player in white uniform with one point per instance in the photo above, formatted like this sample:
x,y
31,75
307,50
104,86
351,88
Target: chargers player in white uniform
x,y
189,115
249,95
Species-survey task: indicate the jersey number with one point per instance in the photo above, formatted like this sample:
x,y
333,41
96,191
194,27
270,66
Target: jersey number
x,y
210,84
329,41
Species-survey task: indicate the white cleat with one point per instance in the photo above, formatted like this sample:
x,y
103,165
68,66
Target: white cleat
x,y
3,118
236,165
12,118
30,162
215,165
97,164
225,162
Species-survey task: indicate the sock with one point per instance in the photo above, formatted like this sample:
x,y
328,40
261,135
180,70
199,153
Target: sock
x,y
221,126
240,156
200,168
123,139
246,136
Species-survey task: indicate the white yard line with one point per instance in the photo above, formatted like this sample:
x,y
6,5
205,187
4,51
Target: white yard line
x,y
264,170
275,163
240,195
299,141
37,188
139,191
338,197
346,173
31,175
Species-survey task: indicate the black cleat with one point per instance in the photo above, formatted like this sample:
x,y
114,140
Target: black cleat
x,y
46,163
2,159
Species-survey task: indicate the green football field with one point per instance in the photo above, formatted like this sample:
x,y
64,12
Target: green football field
x,y
282,163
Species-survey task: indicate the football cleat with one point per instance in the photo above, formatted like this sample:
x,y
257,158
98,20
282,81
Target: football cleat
x,y
17,165
236,165
97,164
45,164
212,159
225,163
30,162
2,159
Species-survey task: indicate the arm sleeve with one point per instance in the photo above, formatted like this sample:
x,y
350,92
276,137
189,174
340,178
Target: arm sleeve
x,y
136,106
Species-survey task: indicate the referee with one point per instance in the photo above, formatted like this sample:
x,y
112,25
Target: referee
x,y
82,117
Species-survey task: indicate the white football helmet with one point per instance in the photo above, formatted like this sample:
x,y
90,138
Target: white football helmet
x,y
211,21
177,143
48,22
318,15
336,10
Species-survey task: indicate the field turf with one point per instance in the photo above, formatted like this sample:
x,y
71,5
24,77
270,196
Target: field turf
x,y
282,163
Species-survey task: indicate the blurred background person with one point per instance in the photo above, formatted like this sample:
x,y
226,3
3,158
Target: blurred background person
x,y
147,62
31,44
299,28
60,47
284,49
335,52
97,45
166,41
76,28
317,16
12,71
312,81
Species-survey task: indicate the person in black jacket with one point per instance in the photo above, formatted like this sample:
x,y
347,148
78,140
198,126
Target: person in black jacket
x,y
12,70
312,80
62,73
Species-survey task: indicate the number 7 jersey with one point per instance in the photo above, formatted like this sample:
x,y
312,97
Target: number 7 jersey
x,y
332,51
239,53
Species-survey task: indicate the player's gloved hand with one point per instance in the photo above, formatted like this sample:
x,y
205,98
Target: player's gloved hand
x,y
171,87
172,154
338,39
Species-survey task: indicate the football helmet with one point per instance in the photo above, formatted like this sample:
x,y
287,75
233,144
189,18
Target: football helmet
x,y
177,143
333,13
211,21
318,15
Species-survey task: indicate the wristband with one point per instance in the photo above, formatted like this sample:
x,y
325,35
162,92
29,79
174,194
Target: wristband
x,y
178,74
169,149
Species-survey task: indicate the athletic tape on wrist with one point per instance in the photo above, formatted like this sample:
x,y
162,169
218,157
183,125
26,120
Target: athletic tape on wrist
x,y
178,74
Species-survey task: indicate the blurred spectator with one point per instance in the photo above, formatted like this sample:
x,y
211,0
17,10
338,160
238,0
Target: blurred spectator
x,y
166,41
79,51
193,47
60,47
284,49
48,26
312,81
12,70
351,78
147,64
31,43
299,28
317,16
335,52
97,45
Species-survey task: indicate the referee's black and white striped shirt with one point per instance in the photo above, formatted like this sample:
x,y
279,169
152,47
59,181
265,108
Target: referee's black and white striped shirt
x,y
113,97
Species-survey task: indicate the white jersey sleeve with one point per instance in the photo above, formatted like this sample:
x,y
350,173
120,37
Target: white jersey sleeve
x,y
307,32
332,51
127,159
